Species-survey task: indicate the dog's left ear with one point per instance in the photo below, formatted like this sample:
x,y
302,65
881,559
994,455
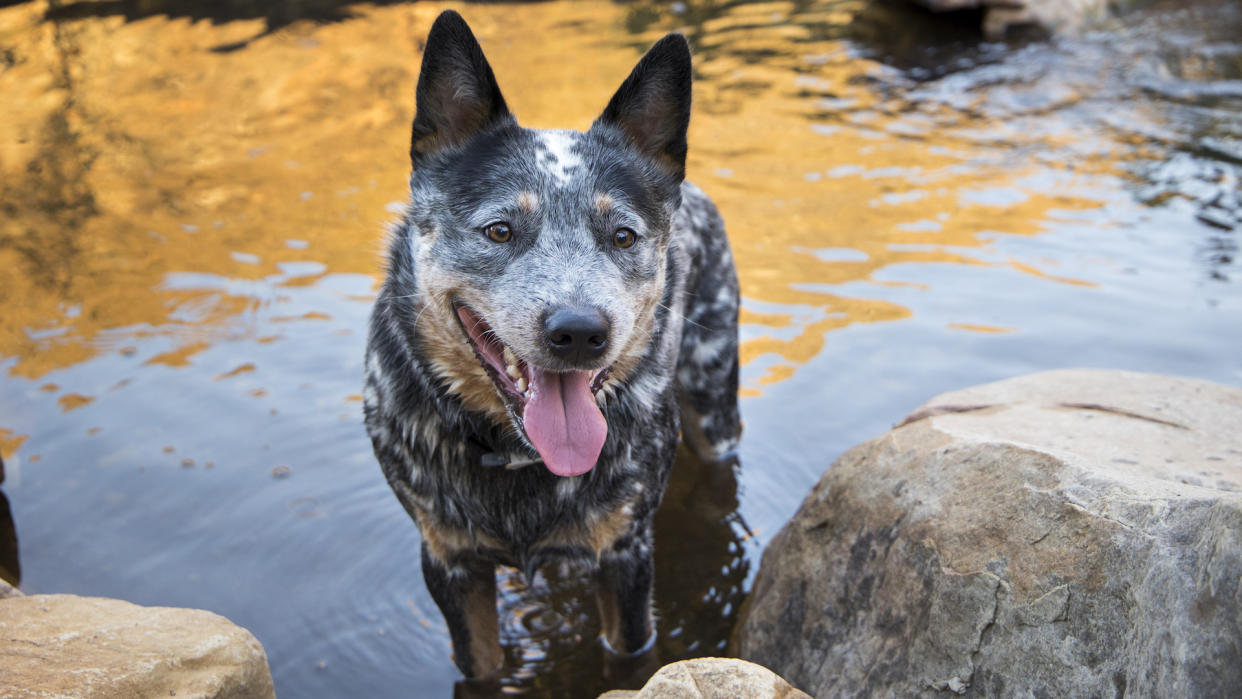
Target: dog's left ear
x,y
652,106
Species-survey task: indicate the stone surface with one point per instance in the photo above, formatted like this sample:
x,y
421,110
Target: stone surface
x,y
84,647
999,15
711,678
1070,533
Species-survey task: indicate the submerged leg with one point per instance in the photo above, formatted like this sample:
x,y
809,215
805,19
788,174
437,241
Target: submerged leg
x,y
623,592
466,596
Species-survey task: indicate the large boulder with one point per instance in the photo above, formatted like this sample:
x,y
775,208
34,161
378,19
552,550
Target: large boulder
x,y
1070,533
711,678
1053,15
85,647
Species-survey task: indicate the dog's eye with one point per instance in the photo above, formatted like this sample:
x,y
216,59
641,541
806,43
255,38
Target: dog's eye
x,y
499,232
624,237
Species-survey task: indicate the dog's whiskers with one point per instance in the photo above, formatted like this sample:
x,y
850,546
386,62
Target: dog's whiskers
x,y
685,318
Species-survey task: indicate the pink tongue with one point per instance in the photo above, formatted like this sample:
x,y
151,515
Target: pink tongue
x,y
563,421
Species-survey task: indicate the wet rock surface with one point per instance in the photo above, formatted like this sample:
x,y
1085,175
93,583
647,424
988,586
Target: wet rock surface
x,y
64,645
712,678
1058,533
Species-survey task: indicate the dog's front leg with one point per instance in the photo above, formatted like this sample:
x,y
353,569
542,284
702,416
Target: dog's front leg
x,y
466,595
623,592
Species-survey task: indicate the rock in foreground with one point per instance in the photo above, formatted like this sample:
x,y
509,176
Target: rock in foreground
x,y
69,646
1070,533
712,678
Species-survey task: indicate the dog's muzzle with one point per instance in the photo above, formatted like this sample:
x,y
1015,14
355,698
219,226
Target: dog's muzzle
x,y
557,409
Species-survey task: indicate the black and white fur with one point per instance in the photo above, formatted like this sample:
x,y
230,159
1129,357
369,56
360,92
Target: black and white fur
x,y
443,424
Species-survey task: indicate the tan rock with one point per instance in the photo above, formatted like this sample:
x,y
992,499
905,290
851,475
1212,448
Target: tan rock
x,y
1062,534
712,678
85,647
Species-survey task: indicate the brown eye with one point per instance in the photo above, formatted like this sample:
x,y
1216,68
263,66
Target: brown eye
x,y
499,232
624,237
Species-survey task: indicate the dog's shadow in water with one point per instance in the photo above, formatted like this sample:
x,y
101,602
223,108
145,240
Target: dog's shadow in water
x,y
549,627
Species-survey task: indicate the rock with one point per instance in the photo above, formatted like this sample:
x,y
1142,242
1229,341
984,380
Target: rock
x,y
1000,15
711,678
69,646
1069,533
7,590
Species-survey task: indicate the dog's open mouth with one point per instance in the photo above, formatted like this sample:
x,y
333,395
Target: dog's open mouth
x,y
557,408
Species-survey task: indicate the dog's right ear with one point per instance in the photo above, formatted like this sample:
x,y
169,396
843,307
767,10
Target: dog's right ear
x,y
652,106
457,92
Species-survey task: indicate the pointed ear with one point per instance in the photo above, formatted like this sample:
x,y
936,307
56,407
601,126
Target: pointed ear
x,y
652,106
457,92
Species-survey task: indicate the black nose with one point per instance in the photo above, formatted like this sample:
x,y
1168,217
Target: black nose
x,y
576,334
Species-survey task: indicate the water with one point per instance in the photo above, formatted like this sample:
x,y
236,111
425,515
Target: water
x,y
194,196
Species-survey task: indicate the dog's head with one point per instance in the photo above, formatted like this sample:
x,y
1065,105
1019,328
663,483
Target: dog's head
x,y
540,255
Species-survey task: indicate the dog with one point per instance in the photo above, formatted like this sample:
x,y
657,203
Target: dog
x,y
558,305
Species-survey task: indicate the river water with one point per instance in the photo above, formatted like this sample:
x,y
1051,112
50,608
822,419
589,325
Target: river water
x,y
193,200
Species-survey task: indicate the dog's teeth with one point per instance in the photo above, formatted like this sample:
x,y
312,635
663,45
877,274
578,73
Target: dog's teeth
x,y
510,357
512,371
521,384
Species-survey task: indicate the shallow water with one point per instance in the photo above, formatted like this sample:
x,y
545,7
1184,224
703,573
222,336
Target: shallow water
x,y
193,201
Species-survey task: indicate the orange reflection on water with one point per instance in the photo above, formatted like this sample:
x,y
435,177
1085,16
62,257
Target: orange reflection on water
x,y
140,151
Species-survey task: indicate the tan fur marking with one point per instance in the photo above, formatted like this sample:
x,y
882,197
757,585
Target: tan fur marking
x,y
484,623
609,614
445,344
528,202
596,535
487,541
610,527
446,542
604,202
443,542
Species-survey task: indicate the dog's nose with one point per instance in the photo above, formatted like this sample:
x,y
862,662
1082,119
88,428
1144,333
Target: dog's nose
x,y
576,334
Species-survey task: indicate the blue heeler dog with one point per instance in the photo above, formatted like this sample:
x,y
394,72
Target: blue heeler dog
x,y
558,304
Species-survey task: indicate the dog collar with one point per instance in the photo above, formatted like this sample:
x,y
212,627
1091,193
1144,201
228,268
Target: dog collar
x,y
494,460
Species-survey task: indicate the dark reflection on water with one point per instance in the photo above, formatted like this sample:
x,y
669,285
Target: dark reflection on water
x,y
548,627
924,45
275,14
10,561
192,205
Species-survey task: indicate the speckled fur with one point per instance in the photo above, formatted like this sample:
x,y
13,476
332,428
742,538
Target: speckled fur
x,y
432,411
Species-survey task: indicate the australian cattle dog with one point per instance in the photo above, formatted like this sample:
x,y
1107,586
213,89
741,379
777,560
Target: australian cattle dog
x,y
558,306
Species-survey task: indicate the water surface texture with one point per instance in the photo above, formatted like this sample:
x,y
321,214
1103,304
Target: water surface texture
x,y
193,199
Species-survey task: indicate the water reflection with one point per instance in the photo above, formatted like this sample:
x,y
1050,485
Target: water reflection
x,y
273,15
226,165
549,627
10,562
